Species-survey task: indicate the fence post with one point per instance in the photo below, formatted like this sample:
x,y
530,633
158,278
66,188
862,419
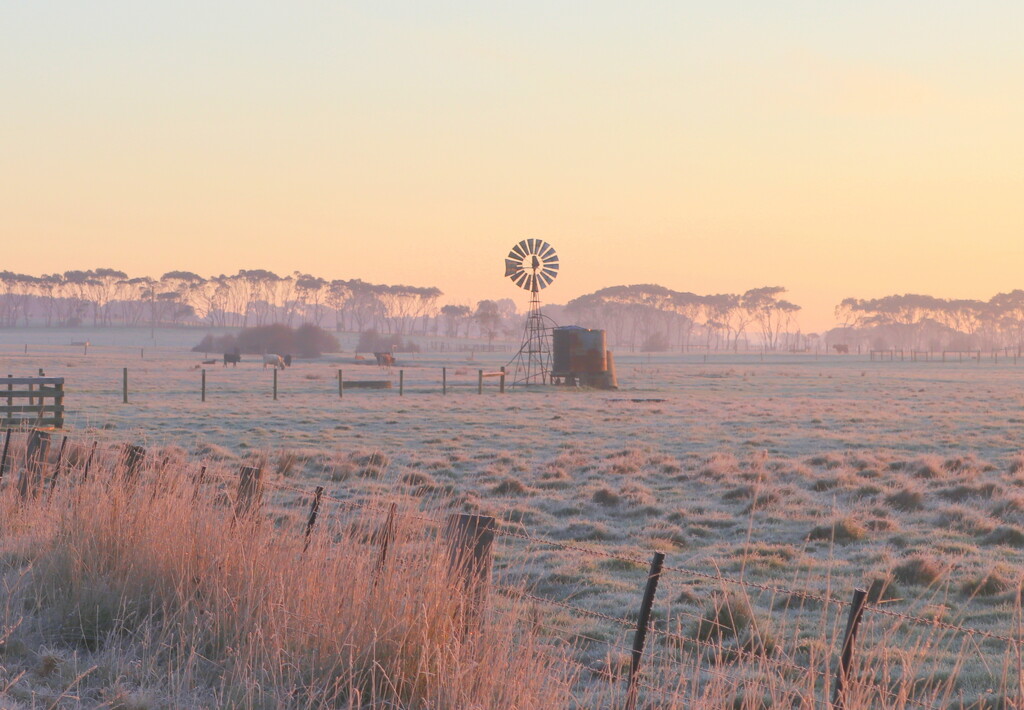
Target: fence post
x,y
313,510
401,382
204,385
387,536
444,380
57,466
124,386
250,491
469,556
88,461
341,385
846,658
3,457
480,382
275,383
35,456
142,353
501,381
641,626
132,457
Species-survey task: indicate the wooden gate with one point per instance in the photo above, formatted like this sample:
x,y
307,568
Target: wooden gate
x,y
32,402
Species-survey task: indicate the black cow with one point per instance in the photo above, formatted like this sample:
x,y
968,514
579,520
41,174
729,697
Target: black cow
x,y
233,358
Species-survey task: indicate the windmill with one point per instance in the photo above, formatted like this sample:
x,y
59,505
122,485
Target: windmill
x,y
532,264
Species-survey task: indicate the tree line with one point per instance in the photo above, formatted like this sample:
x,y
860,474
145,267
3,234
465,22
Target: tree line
x,y
250,298
655,318
920,322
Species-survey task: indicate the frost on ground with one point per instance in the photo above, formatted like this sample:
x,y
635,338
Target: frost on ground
x,y
814,474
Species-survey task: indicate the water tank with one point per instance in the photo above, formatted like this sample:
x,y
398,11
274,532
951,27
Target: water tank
x,y
578,351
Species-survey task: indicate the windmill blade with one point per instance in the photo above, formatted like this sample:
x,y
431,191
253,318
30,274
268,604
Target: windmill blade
x,y
521,279
512,267
546,250
533,283
553,265
515,253
549,274
523,247
543,280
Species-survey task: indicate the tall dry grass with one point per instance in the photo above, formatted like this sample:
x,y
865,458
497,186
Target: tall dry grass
x,y
153,594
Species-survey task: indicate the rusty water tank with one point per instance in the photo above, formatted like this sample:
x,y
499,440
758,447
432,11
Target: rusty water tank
x,y
578,351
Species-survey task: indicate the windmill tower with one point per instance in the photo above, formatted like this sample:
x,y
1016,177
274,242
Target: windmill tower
x,y
532,264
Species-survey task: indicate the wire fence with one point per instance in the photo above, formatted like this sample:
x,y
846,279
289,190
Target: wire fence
x,y
747,636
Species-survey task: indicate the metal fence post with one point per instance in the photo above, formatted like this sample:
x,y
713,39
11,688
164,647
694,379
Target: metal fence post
x,y
314,508
641,626
846,657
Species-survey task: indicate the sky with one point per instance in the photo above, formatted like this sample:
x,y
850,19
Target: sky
x,y
835,148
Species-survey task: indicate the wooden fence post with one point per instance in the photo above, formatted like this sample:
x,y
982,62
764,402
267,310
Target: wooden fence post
x,y
31,478
203,394
275,383
501,381
470,538
341,386
641,626
401,383
846,657
132,458
480,382
124,386
444,380
3,457
250,491
314,509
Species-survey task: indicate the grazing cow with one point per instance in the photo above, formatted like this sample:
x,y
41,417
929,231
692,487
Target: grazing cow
x,y
232,358
842,348
384,360
276,361
287,360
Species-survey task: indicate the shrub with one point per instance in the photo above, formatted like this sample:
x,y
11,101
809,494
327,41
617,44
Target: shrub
x,y
305,341
370,341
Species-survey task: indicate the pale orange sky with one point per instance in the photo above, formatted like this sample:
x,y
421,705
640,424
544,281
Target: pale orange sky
x,y
840,149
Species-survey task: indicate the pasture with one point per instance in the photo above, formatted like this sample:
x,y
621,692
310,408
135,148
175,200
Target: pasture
x,y
817,475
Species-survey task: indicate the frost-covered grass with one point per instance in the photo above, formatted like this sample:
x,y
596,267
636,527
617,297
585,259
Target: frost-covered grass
x,y
819,475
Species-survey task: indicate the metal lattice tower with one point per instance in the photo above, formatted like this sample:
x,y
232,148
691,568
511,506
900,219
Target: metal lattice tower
x,y
532,264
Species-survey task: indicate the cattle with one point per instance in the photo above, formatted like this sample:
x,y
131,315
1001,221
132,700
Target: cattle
x,y
287,360
384,360
232,358
275,361
841,348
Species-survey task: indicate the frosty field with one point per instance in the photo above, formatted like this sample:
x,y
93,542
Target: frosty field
x,y
810,474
